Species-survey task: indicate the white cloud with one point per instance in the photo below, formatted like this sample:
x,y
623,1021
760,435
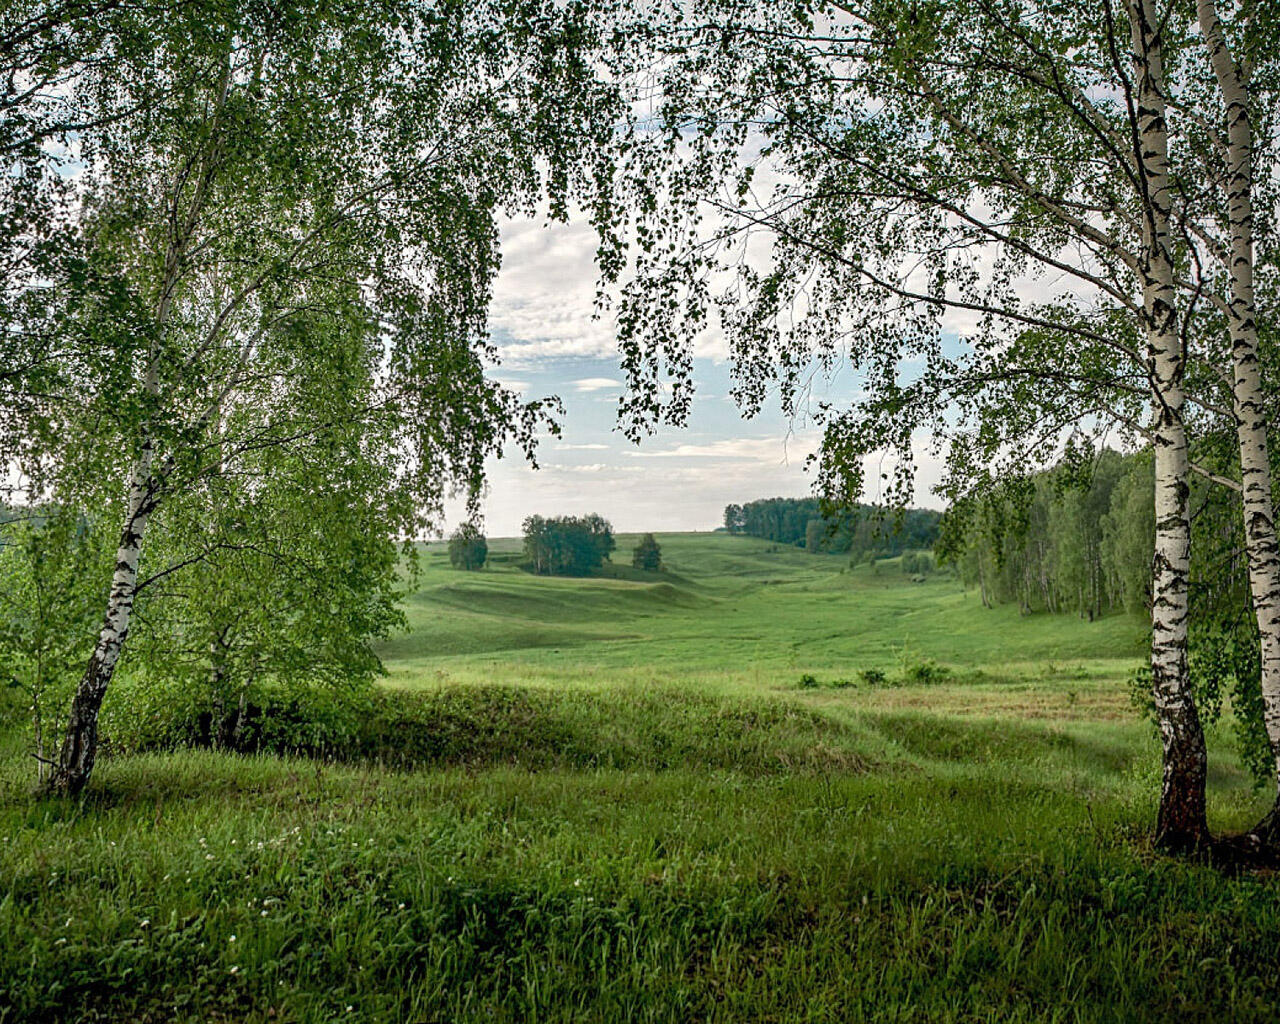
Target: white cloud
x,y
587,384
589,467
741,449
684,486
582,447
544,298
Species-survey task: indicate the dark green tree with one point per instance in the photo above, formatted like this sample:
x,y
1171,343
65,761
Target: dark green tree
x,y
468,548
647,554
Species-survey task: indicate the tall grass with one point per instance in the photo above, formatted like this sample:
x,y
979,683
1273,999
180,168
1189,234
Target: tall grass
x,y
607,832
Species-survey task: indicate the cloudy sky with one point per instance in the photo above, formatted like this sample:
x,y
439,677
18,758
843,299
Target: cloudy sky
x,y
675,480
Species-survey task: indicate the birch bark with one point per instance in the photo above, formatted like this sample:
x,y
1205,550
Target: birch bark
x,y
80,742
1248,397
1182,822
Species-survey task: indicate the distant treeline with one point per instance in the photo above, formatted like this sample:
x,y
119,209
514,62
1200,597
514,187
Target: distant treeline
x,y
1070,539
864,531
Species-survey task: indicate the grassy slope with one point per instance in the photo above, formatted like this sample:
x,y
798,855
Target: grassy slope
x,y
972,849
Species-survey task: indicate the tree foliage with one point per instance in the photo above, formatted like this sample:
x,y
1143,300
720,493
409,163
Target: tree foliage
x,y
263,351
567,545
983,211
468,548
647,554
864,531
1056,542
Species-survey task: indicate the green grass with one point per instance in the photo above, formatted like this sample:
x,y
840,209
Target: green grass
x,y
614,800
733,612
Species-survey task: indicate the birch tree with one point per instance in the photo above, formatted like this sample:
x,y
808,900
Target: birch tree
x,y
1243,57
331,170
932,161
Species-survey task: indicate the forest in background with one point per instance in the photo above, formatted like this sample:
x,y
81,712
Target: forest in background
x,y
864,531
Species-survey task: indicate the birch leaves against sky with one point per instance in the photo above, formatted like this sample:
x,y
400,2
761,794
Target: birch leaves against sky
x,y
293,230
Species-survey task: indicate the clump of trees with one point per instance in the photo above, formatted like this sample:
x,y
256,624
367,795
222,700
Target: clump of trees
x,y
567,545
468,548
647,554
1079,539
864,531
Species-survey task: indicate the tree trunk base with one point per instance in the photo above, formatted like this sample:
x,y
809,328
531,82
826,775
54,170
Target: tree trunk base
x,y
1241,853
1184,842
59,783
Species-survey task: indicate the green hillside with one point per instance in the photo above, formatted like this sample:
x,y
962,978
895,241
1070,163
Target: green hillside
x,y
760,786
735,615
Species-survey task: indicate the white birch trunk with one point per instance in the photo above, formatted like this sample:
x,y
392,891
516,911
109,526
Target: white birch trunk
x,y
1182,797
1248,398
80,743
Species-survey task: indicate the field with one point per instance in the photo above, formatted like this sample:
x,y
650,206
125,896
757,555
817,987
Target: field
x,y
761,786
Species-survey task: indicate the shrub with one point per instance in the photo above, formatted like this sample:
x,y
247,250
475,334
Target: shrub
x,y
483,726
873,676
926,672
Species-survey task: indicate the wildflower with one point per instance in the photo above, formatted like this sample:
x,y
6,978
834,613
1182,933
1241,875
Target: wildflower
x,y
232,939
144,923
235,969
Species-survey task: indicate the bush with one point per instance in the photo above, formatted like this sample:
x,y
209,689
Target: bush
x,y
484,726
297,719
873,677
926,672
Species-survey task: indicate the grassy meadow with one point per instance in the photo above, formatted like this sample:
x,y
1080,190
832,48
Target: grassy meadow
x,y
760,786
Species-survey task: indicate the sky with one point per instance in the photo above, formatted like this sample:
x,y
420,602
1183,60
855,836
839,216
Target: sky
x,y
678,479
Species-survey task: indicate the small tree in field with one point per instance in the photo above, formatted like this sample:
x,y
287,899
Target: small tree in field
x,y
467,548
648,554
